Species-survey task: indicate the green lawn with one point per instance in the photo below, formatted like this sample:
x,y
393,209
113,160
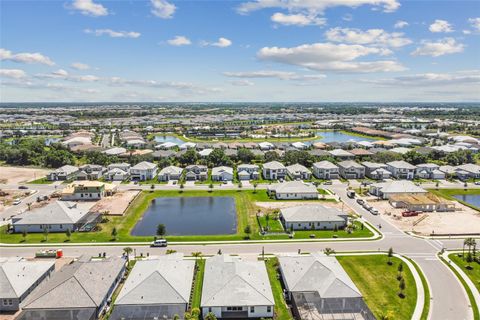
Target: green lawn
x,y
281,310
197,288
377,282
41,181
246,215
449,193
473,273
274,225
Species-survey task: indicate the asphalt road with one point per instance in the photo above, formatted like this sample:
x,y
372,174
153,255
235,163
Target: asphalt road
x,y
448,298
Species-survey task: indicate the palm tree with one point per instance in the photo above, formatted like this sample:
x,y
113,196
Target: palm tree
x,y
176,317
210,316
195,313
170,251
469,242
197,254
127,251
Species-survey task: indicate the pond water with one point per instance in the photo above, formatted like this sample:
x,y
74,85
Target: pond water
x,y
189,216
167,138
49,141
336,136
473,199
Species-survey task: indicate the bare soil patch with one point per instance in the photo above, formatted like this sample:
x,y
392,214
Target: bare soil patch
x,y
13,175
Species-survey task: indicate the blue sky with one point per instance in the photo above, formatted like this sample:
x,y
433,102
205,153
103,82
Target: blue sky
x,y
258,50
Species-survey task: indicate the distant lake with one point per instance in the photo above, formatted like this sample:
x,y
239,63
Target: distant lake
x,y
473,199
337,136
167,138
189,216
49,141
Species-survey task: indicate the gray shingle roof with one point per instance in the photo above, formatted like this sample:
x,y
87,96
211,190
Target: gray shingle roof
x,y
230,281
58,212
309,213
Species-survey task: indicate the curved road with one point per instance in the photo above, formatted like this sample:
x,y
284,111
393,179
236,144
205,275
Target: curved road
x,y
448,298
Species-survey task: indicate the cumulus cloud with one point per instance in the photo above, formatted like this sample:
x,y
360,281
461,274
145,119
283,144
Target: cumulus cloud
x,y
331,57
163,9
441,26
113,34
12,73
242,83
438,48
80,66
221,43
432,79
282,75
297,19
475,23
89,8
314,6
179,41
400,24
376,37
25,57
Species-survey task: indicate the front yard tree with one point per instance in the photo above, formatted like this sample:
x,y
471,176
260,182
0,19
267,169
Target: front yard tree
x,y
390,255
248,231
400,270
210,186
68,233
161,230
255,187
210,316
127,251
196,254
114,233
401,285
45,233
24,234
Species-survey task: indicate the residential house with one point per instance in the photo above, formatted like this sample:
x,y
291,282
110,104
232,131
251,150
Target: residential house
x,y
385,190
265,146
319,288
248,172
91,172
187,145
118,172
115,151
196,172
166,146
222,173
401,169
299,145
468,171
429,171
66,172
297,171
341,154
293,190
313,217
18,278
351,170
170,173
376,171
87,190
233,288
143,171
156,289
205,153
274,170
80,290
57,216
325,170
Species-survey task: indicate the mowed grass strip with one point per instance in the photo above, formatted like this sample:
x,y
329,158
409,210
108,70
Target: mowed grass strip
x,y
473,273
377,281
197,289
281,310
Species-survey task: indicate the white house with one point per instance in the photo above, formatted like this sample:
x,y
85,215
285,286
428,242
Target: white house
x,y
265,146
429,171
293,190
342,154
325,170
205,153
297,171
222,173
299,145
91,172
187,145
401,169
469,170
248,172
274,170
166,146
66,172
376,171
116,174
385,190
143,171
196,172
115,151
351,170
312,217
170,173
233,288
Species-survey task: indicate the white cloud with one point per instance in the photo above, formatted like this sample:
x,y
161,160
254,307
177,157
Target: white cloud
x,y
89,8
163,9
298,19
438,48
432,79
400,24
475,23
221,43
441,26
282,75
314,6
12,73
242,83
80,66
331,57
25,57
179,41
64,75
377,37
347,17
113,34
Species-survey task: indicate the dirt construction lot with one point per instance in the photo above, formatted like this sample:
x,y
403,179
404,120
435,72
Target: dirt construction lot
x,y
116,204
463,220
13,175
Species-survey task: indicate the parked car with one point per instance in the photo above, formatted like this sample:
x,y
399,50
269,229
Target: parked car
x,y
327,183
159,243
374,211
477,183
17,202
22,187
360,201
351,194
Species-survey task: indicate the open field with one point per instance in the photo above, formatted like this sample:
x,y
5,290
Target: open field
x,y
377,281
14,175
246,215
